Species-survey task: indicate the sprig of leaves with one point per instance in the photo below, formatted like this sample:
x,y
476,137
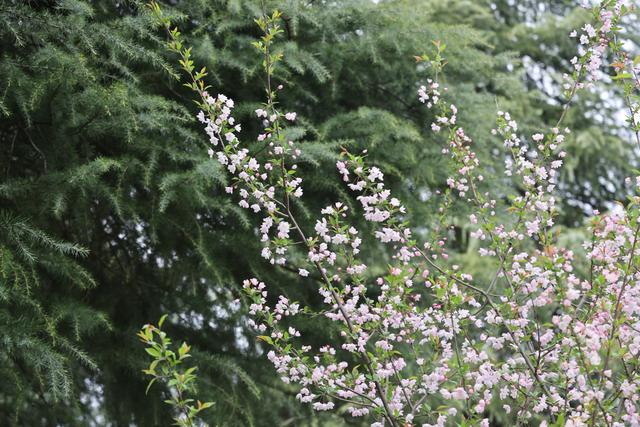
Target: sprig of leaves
x,y
166,367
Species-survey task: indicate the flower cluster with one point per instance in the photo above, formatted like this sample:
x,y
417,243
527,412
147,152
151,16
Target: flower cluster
x,y
595,40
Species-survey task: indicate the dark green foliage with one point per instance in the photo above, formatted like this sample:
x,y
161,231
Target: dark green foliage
x,y
42,326
112,214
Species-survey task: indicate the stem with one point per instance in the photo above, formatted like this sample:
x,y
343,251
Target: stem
x,y
616,314
336,298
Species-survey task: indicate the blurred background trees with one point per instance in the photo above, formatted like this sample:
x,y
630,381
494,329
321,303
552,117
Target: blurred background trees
x,y
111,214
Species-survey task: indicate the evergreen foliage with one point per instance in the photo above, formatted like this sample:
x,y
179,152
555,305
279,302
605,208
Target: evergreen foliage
x,y
111,212
42,327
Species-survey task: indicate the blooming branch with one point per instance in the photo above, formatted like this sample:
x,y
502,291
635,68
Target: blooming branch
x,y
427,344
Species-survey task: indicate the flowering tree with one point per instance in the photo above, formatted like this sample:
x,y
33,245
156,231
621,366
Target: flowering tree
x,y
426,344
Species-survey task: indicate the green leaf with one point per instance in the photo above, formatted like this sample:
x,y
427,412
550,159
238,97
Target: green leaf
x,y
149,385
153,352
266,339
161,321
622,76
